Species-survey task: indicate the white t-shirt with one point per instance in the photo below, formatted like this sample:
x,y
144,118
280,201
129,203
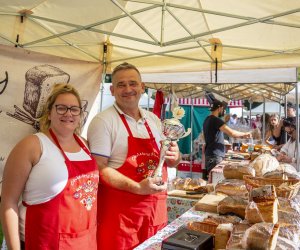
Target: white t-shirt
x,y
48,177
289,148
108,137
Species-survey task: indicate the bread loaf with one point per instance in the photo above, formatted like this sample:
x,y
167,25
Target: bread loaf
x,y
285,244
186,183
203,227
178,183
289,211
236,237
39,82
209,203
284,172
202,189
194,184
275,175
263,164
262,212
233,205
222,236
262,194
261,236
232,187
235,171
223,219
290,232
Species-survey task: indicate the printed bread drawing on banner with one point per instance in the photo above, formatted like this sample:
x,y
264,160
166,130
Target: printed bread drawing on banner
x,y
39,82
3,83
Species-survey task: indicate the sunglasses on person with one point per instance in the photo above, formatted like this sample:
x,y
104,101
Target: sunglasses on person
x,y
63,109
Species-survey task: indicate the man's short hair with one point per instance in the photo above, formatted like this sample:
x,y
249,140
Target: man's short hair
x,y
289,122
124,66
217,104
290,105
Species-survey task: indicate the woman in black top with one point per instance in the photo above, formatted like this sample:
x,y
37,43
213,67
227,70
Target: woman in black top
x,y
274,124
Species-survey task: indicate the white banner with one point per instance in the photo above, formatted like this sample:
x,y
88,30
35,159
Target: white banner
x,y
26,79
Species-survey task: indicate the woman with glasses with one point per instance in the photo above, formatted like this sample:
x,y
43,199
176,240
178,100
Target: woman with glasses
x,y
57,178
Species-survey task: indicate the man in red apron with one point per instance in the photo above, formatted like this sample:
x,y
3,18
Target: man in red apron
x,y
124,140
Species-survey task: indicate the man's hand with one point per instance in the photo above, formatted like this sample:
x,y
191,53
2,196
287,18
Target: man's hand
x,y
173,156
151,185
247,135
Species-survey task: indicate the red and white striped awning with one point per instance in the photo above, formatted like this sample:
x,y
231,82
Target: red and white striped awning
x,y
204,102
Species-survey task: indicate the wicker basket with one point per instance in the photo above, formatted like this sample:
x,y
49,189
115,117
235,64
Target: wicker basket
x,y
289,190
203,227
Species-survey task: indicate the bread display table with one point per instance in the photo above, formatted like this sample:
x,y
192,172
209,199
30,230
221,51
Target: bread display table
x,y
178,203
154,243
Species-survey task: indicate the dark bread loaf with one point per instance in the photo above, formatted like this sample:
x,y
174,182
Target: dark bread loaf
x,y
232,187
235,171
39,82
261,236
233,205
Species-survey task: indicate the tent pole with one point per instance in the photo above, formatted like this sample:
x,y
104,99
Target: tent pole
x,y
285,113
104,63
264,122
191,142
297,129
250,119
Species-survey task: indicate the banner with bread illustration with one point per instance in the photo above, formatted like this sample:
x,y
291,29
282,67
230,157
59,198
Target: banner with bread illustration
x,y
26,79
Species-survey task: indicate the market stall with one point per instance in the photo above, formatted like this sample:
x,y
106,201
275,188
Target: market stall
x,y
256,204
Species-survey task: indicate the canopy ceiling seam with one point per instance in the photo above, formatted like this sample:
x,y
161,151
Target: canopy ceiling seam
x,y
190,33
135,20
64,40
89,27
162,26
272,22
239,25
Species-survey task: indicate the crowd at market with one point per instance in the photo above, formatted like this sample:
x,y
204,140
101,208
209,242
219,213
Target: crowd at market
x,y
61,191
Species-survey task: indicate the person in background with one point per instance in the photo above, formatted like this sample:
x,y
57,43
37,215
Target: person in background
x,y
227,122
214,128
233,120
57,178
287,152
278,130
257,122
291,110
125,140
227,119
271,138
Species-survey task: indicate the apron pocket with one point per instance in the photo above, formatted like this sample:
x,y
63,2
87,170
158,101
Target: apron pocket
x,y
78,241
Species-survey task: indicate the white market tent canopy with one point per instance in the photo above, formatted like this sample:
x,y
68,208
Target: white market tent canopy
x,y
270,108
161,36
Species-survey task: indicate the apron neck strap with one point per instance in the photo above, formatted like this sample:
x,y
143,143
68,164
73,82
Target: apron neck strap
x,y
81,144
128,129
126,124
56,142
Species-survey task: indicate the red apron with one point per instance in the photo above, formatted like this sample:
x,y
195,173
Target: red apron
x,y
68,221
126,219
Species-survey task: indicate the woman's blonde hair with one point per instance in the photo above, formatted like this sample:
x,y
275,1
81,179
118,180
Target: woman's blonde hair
x,y
58,89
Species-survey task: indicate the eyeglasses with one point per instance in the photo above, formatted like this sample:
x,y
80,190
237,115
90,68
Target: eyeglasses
x,y
63,109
